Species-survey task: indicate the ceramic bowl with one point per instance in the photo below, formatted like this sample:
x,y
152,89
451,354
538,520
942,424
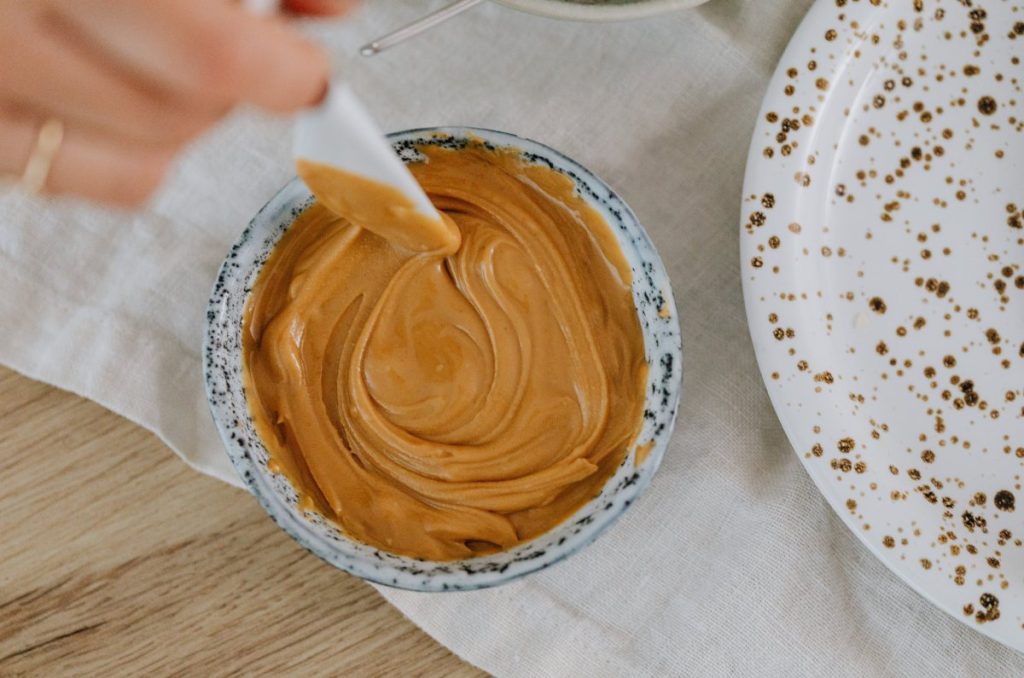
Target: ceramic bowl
x,y
598,10
222,359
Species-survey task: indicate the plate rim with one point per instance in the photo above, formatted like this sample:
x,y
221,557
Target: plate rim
x,y
571,11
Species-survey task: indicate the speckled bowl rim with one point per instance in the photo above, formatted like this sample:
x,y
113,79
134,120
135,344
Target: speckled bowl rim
x,y
560,9
222,378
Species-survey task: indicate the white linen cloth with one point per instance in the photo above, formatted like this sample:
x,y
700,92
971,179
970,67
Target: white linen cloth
x,y
732,563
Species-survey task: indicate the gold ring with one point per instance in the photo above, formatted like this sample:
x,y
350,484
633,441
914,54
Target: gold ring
x,y
37,169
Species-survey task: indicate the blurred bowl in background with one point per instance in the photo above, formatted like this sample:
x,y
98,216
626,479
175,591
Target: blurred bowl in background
x,y
599,10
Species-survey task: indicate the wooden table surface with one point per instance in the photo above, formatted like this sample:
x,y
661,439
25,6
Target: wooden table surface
x,y
115,558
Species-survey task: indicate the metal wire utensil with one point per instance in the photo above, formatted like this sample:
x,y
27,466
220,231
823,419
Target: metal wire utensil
x,y
416,27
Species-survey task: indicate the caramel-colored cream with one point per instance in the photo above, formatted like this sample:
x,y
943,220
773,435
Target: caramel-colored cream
x,y
380,208
448,406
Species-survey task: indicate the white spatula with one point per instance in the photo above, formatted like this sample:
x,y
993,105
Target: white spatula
x,y
350,167
341,133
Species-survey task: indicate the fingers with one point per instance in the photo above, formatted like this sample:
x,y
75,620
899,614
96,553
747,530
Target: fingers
x,y
133,81
85,92
320,7
89,166
211,49
264,62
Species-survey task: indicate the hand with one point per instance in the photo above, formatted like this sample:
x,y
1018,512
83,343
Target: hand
x,y
133,81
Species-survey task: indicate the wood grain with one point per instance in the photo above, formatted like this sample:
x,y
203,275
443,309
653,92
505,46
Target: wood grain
x,y
115,558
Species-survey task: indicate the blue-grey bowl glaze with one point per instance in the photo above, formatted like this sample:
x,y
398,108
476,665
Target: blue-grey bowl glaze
x,y
222,362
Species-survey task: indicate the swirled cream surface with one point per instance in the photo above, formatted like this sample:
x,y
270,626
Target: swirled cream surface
x,y
444,406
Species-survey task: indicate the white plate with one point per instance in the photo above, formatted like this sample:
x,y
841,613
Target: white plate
x,y
883,271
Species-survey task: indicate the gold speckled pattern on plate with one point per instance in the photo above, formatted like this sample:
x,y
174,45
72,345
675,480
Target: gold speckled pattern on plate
x,y
883,271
